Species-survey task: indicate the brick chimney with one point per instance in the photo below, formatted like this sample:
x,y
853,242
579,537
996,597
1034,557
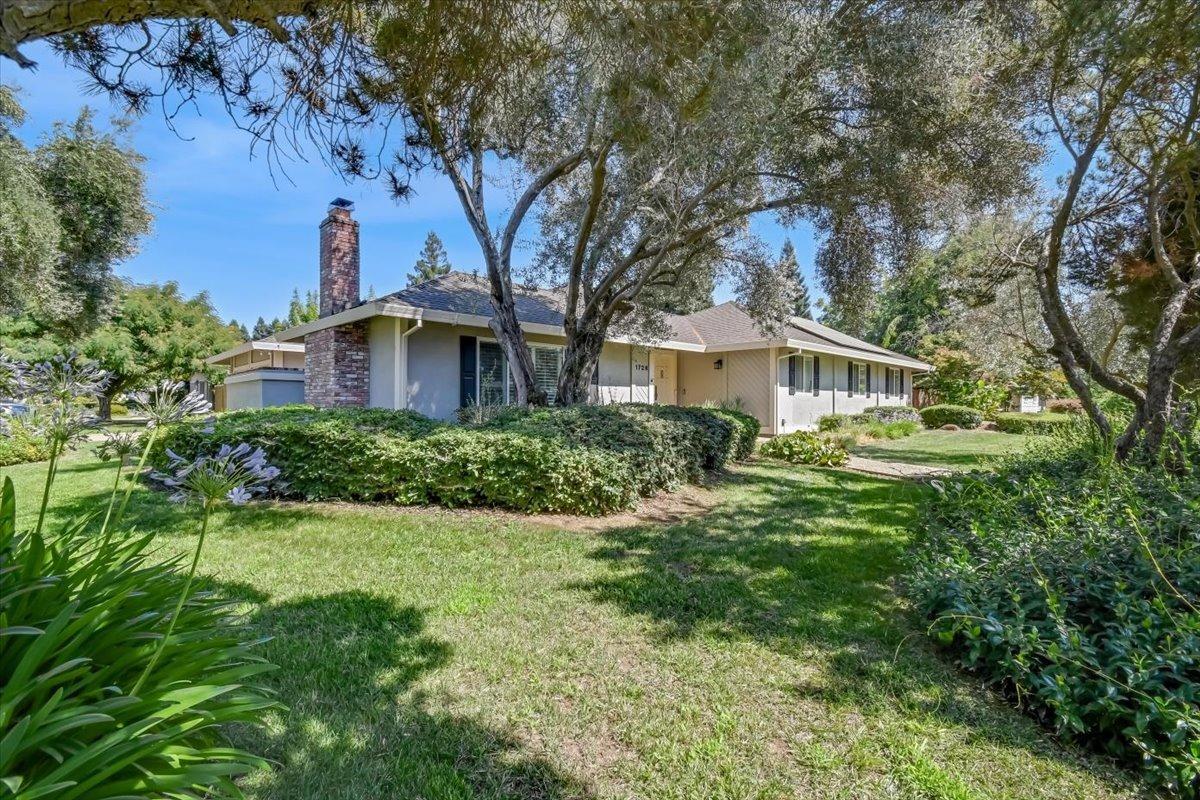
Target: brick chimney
x,y
339,258
337,360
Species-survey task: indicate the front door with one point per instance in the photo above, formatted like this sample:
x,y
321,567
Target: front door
x,y
662,375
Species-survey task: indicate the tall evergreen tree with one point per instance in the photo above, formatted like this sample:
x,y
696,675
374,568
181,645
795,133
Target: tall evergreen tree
x,y
301,311
432,261
239,329
788,265
262,329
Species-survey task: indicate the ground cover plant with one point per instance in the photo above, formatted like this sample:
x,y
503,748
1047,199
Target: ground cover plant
x,y
1072,582
582,459
802,447
754,649
848,430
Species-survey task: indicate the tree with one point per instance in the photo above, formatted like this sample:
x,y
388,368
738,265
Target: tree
x,y
1117,87
240,330
299,311
802,304
432,262
72,208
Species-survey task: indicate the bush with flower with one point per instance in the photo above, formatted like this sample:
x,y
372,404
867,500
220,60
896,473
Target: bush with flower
x,y
119,670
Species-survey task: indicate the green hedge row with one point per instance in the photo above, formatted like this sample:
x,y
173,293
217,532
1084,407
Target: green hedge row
x,y
585,459
1045,423
943,414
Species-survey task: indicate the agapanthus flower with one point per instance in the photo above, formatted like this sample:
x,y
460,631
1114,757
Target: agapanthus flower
x,y
120,446
235,474
65,378
167,402
66,424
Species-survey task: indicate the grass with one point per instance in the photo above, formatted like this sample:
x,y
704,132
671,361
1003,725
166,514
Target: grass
x,y
948,449
757,651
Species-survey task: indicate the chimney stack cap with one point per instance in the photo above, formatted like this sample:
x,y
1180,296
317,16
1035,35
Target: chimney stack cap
x,y
341,202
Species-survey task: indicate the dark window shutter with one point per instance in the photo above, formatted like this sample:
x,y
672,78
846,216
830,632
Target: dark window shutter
x,y
467,370
868,366
887,381
850,379
791,374
816,376
901,392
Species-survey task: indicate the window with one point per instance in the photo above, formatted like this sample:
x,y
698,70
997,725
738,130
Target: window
x,y
496,384
806,375
893,382
859,377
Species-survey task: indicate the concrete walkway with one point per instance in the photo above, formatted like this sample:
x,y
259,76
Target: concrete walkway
x,y
893,469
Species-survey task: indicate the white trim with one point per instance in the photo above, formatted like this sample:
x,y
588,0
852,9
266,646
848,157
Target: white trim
x,y
266,374
250,347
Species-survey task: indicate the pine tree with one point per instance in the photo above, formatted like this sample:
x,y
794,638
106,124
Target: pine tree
x,y
296,309
261,329
312,305
802,305
239,329
432,262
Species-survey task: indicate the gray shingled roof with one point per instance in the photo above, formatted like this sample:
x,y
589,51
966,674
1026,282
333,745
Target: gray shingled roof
x,y
724,324
463,293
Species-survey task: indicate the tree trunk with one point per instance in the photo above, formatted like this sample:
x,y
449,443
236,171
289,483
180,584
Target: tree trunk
x,y
580,358
508,331
104,406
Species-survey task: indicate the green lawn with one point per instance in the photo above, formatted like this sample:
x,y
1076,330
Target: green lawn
x,y
949,449
757,651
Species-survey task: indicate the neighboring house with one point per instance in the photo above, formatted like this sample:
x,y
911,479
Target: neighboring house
x,y
429,348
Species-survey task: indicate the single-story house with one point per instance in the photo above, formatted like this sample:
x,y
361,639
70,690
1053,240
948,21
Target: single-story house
x,y
429,348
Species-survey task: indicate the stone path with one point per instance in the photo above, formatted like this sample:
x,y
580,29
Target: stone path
x,y
892,469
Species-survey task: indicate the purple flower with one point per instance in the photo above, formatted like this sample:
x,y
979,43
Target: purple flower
x,y
238,495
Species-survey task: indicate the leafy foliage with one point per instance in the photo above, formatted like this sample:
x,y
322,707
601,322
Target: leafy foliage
x,y
1015,422
958,378
1073,583
21,442
81,620
946,414
803,447
72,208
582,459
892,414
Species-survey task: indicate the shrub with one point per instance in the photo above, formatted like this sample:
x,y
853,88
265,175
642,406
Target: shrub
x,y
582,459
21,442
1065,405
962,416
831,422
1016,422
803,447
1073,583
892,414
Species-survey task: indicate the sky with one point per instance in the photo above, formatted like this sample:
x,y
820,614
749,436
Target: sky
x,y
224,224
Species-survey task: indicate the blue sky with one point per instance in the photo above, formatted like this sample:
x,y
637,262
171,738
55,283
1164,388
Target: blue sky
x,y
225,225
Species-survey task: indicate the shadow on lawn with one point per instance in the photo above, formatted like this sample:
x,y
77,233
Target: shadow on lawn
x,y
805,562
354,727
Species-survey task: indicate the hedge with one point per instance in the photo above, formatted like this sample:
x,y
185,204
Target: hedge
x,y
1045,423
585,459
892,414
942,414
19,443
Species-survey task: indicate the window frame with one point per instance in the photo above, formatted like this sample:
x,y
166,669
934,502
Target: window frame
x,y
859,371
806,375
509,383
893,380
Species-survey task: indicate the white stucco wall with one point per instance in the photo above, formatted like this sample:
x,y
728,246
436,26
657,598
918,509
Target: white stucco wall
x,y
803,410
